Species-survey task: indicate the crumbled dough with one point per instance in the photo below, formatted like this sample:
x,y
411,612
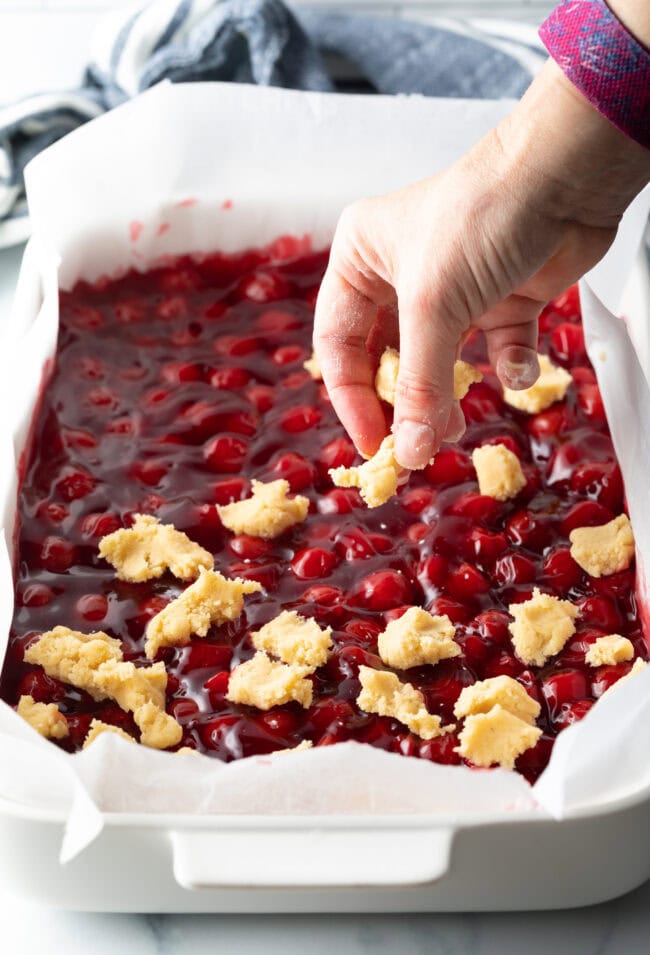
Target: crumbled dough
x,y
465,375
296,640
45,718
498,471
610,650
306,744
384,694
187,751
417,638
93,662
541,627
268,513
496,737
265,683
148,548
377,478
312,366
98,727
212,599
386,378
501,691
551,386
605,549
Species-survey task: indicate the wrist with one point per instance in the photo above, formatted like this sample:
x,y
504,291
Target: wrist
x,y
572,159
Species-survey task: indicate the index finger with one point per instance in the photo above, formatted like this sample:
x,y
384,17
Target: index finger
x,y
343,320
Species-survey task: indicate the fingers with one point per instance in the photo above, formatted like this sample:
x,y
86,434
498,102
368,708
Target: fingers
x,y
343,320
424,395
511,336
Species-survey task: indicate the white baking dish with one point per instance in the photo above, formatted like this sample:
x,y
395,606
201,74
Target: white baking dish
x,y
181,862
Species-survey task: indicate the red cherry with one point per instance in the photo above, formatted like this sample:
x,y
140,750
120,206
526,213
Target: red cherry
x,y
601,481
529,529
183,710
505,664
585,514
53,512
327,596
492,625
57,554
225,454
554,422
201,654
443,606
341,500
515,569
417,499
230,489
484,546
229,378
599,612
354,544
129,311
150,472
432,571
277,320
564,686
311,562
477,507
475,651
295,469
288,355
417,532
591,402
264,287
281,723
75,483
217,687
99,525
77,438
442,749
178,372
384,589
237,344
466,583
365,632
605,677
262,397
103,398
36,595
534,761
568,303
339,453
568,342
330,715
505,439
563,462
148,609
92,606
172,307
451,465
561,570
42,688
250,548
482,403
300,418
82,317
583,375
572,713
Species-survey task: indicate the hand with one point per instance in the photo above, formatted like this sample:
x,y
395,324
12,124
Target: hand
x,y
486,244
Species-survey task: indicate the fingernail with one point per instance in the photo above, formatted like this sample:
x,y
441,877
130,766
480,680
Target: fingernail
x,y
456,425
518,374
414,444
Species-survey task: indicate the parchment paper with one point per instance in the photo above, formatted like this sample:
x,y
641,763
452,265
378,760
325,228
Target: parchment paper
x,y
288,162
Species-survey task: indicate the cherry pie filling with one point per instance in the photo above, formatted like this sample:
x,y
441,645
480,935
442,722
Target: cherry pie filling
x,y
174,388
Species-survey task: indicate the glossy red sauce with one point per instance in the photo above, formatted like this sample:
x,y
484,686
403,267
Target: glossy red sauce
x,y
172,389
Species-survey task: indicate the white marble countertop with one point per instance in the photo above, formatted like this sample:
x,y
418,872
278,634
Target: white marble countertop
x,y
621,927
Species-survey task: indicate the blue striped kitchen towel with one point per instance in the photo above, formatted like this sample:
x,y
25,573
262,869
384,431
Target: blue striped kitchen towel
x,y
263,42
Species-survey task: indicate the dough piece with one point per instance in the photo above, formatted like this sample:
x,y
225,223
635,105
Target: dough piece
x,y
377,478
93,662
98,727
268,513
45,718
296,640
264,683
541,627
496,737
498,471
551,386
609,650
210,600
386,378
603,550
501,691
148,549
306,744
417,638
312,366
384,694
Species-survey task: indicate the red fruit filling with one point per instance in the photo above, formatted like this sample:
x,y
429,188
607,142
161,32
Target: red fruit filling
x,y
196,415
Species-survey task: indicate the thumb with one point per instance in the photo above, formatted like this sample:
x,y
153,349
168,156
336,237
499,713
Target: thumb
x,y
425,384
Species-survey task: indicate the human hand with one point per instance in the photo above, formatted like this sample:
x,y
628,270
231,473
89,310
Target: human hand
x,y
485,244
